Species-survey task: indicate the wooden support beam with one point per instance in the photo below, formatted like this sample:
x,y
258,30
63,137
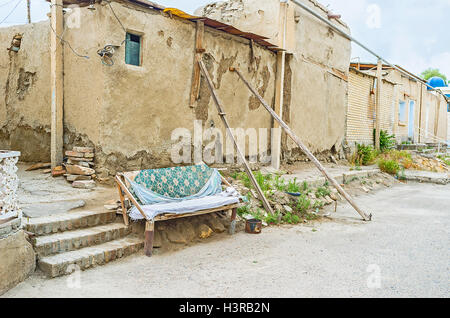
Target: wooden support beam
x,y
124,209
149,236
199,50
378,105
304,149
279,87
57,83
436,118
420,113
239,152
29,11
279,100
130,196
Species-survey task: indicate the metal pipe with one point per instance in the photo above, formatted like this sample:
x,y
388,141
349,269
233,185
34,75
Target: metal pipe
x,y
347,36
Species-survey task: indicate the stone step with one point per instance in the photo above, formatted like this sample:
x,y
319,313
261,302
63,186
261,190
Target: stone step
x,y
66,263
67,222
77,239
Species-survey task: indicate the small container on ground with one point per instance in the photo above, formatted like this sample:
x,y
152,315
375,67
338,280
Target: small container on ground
x,y
253,226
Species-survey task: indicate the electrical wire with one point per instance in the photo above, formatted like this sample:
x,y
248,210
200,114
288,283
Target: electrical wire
x,y
66,42
118,20
11,12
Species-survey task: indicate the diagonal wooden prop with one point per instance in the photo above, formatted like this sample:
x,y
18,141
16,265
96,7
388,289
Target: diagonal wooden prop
x,y
304,149
240,154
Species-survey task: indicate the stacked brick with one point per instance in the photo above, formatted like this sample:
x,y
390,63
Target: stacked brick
x,y
80,167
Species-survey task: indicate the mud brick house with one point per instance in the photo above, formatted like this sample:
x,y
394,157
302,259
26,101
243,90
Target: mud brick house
x,y
127,103
408,109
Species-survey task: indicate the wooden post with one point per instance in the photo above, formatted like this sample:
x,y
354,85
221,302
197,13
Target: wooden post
x,y
279,100
149,235
420,113
305,149
238,150
57,85
122,202
199,50
378,104
29,11
233,221
279,88
436,118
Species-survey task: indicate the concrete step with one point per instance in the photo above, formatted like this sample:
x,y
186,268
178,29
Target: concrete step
x,y
66,263
77,239
67,222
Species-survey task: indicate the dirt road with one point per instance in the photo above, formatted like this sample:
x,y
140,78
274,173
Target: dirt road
x,y
403,252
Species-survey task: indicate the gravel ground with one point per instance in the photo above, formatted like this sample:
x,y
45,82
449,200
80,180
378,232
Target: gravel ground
x,y
403,252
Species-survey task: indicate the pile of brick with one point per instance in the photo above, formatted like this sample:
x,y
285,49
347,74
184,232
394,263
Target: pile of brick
x,y
80,167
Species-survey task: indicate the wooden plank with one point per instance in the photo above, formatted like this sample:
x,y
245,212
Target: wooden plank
x,y
420,113
122,202
240,154
226,182
57,83
304,148
279,100
130,196
38,166
167,216
28,11
378,105
436,118
195,88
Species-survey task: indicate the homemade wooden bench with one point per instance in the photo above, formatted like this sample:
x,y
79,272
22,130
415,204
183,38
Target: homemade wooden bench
x,y
174,186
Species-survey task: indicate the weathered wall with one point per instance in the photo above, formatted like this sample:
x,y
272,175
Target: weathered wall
x,y
25,110
429,113
84,79
361,116
127,112
448,128
25,94
143,105
316,81
17,260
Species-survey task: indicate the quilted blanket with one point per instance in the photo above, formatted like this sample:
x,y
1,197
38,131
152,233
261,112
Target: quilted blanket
x,y
174,184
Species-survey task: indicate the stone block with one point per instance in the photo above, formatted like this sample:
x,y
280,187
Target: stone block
x,y
74,154
84,184
83,149
79,170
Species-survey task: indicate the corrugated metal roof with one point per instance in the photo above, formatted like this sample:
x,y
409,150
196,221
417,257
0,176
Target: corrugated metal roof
x,y
261,40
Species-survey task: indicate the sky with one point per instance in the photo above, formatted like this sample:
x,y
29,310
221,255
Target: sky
x,y
412,33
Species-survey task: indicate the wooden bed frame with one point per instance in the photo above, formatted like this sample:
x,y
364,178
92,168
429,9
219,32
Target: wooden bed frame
x,y
150,224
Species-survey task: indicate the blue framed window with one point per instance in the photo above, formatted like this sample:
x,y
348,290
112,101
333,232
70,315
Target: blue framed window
x,y
133,49
402,112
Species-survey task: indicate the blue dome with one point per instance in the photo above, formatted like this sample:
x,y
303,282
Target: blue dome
x,y
436,82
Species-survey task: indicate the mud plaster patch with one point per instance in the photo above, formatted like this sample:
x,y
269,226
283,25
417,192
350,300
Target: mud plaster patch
x,y
254,102
25,81
224,66
169,42
287,97
201,111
